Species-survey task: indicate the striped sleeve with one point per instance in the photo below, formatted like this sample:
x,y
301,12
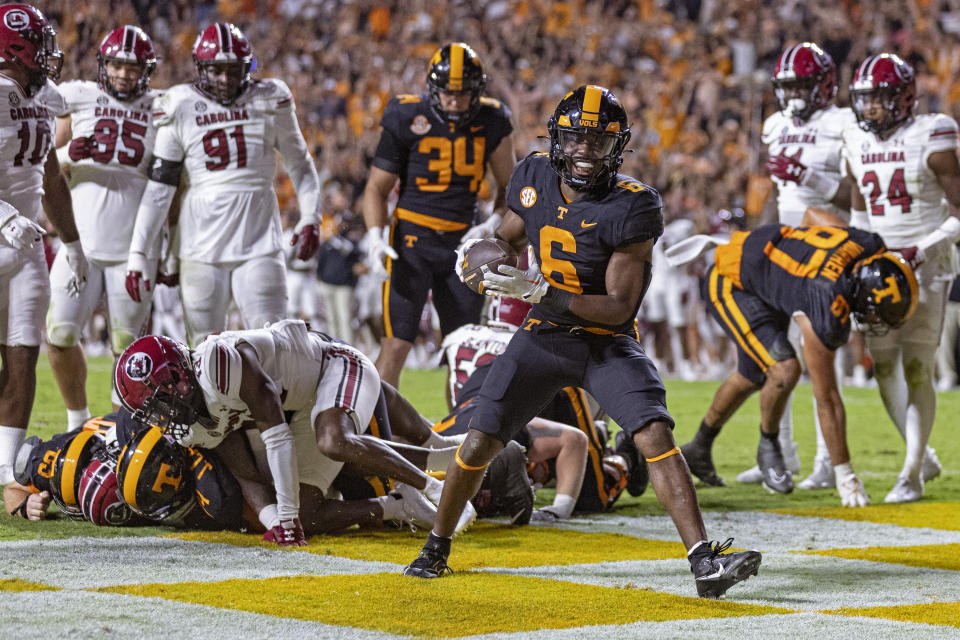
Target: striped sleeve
x,y
943,134
221,368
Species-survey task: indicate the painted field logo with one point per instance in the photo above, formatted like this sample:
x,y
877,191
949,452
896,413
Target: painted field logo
x,y
16,19
528,197
138,366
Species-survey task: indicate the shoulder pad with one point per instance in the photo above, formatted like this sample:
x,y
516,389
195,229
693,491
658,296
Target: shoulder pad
x,y
220,367
51,98
406,98
490,102
941,125
274,89
770,126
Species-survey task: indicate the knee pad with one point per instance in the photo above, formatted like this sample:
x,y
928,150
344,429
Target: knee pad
x,y
64,334
120,339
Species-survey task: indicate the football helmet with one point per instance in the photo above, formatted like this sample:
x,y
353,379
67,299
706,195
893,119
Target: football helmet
x,y
100,500
223,44
155,382
68,468
456,68
506,313
888,80
28,40
588,132
804,80
129,45
884,294
154,476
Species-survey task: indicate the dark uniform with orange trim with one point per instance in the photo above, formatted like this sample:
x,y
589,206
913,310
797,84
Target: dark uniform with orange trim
x,y
440,168
765,276
573,243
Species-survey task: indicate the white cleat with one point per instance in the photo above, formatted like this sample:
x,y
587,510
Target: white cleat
x,y
931,466
417,510
750,476
906,490
852,493
822,476
791,458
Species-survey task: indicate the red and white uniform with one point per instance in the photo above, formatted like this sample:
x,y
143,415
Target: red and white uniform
x,y
818,141
105,190
470,347
313,375
27,126
905,202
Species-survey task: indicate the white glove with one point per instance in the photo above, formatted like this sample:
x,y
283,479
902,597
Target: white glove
x,y
78,265
849,486
377,249
485,229
529,285
19,231
461,255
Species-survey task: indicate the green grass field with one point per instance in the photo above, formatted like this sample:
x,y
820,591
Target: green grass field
x,y
884,571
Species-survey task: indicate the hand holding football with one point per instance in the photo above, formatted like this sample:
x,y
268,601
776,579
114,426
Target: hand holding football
x,y
489,253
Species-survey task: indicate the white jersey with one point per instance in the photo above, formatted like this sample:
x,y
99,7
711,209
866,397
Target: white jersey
x,y
106,187
470,347
229,210
27,125
289,355
817,144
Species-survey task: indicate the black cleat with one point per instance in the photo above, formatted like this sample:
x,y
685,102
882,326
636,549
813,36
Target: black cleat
x,y
775,475
716,571
431,563
700,462
638,476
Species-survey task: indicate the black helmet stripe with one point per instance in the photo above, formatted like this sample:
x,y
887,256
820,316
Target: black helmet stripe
x,y
224,34
129,38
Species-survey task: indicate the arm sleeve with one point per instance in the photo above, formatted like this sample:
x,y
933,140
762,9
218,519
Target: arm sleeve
x,y
297,161
151,214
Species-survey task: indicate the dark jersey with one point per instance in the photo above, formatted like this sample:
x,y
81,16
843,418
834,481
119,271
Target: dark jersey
x,y
573,241
440,166
805,270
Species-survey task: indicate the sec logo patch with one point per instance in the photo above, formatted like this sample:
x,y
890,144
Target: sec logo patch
x,y
420,125
528,197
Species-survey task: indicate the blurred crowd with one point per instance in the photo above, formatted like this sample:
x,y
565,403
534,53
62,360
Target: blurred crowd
x,y
693,75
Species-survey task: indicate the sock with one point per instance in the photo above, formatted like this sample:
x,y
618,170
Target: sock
x,y
439,459
268,516
706,435
10,440
563,505
438,543
842,470
700,548
772,437
76,418
822,452
786,424
392,506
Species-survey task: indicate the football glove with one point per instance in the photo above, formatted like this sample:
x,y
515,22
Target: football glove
x,y
81,148
136,268
462,250
485,229
21,232
169,272
788,168
850,488
289,533
529,285
378,248
78,265
306,238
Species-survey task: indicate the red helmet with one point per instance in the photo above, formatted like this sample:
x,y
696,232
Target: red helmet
x,y
129,45
804,80
27,39
507,313
99,496
155,381
887,79
223,44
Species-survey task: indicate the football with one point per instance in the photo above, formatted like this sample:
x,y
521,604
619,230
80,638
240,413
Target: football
x,y
490,253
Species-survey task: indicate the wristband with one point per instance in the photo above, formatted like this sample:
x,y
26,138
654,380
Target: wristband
x,y
22,509
557,299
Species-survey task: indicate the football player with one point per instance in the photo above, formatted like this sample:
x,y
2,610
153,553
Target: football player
x,y
310,397
592,230
105,138
818,276
220,135
437,146
30,181
803,143
906,187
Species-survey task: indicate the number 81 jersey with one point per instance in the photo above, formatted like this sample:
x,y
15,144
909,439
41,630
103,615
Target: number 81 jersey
x,y
106,187
904,199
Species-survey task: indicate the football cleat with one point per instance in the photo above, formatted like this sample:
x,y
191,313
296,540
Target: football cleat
x,y
417,510
431,563
906,490
750,476
776,478
639,476
700,462
931,466
544,516
716,571
822,476
289,533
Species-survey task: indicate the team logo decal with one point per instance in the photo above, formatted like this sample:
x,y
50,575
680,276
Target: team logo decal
x,y
16,19
14,99
420,125
102,100
528,197
138,366
200,106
